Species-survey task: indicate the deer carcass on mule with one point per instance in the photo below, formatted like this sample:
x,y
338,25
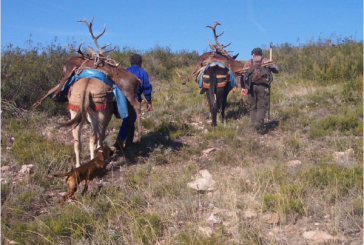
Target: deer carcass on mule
x,y
215,72
98,63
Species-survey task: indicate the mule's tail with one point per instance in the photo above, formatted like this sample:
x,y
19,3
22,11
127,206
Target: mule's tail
x,y
212,91
83,109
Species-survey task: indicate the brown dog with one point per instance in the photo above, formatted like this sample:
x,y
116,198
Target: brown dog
x,y
88,171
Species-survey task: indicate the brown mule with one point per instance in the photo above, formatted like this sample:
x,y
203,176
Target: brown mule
x,y
90,100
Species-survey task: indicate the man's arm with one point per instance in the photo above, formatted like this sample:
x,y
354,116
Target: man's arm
x,y
147,90
272,67
244,88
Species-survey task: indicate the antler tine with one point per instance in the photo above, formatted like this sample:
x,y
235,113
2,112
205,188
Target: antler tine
x,y
216,23
92,34
74,50
221,33
224,46
101,51
102,33
107,45
219,48
110,50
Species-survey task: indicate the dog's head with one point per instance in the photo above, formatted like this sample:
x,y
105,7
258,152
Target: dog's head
x,y
106,151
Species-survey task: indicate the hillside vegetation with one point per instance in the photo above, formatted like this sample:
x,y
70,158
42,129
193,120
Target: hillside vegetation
x,y
304,177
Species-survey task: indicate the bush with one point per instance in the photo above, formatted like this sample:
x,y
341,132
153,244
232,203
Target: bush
x,y
332,177
331,59
346,122
285,203
149,228
352,92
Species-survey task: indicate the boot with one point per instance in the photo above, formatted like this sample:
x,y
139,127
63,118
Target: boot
x,y
119,143
260,129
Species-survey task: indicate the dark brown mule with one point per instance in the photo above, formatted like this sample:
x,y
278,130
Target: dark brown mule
x,y
215,80
216,76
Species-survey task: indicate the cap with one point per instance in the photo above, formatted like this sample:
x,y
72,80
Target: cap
x,y
257,51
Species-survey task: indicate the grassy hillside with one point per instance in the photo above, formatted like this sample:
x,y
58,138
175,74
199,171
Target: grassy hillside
x,y
305,175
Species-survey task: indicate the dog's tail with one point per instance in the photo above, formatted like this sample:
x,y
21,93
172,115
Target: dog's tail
x,y
63,175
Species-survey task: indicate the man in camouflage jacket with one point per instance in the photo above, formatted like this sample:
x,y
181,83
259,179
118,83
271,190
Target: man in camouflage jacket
x,y
258,93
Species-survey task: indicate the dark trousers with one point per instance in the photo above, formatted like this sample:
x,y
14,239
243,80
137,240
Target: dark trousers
x,y
123,131
258,98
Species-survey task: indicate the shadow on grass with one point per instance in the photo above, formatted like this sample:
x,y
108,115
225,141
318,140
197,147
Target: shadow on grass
x,y
271,125
147,144
238,111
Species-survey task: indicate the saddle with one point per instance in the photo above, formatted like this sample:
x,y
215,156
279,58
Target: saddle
x,y
98,102
222,80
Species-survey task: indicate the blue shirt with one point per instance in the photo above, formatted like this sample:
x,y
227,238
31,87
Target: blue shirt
x,y
146,87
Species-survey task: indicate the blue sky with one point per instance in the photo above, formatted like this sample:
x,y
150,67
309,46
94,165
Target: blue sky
x,y
180,25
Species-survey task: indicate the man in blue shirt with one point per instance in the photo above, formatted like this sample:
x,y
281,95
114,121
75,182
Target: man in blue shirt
x,y
146,89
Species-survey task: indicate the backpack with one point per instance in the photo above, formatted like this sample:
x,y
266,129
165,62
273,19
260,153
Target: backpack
x,y
260,74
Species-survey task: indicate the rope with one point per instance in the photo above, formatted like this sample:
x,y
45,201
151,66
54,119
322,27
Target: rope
x,y
80,69
96,58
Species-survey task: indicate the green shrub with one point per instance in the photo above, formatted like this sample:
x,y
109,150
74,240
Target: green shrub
x,y
28,74
292,146
345,122
331,59
221,132
148,123
357,206
353,91
138,176
30,147
74,223
5,192
289,199
149,228
278,174
332,177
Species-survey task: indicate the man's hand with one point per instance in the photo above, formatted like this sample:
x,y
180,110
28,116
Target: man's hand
x,y
244,91
149,106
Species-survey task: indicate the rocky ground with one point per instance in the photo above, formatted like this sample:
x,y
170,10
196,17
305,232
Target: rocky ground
x,y
225,200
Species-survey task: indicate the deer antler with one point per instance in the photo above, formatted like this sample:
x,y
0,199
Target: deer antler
x,y
76,50
101,51
218,47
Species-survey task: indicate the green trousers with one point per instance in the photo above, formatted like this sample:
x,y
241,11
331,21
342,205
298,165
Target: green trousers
x,y
258,98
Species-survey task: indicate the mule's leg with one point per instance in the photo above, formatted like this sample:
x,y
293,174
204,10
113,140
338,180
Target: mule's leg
x,y
96,120
76,132
211,107
223,103
212,93
104,119
214,115
94,138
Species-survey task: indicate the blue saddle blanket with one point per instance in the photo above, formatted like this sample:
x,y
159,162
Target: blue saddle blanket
x,y
231,83
119,96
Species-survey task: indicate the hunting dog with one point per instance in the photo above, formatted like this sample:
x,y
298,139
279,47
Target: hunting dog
x,y
88,171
